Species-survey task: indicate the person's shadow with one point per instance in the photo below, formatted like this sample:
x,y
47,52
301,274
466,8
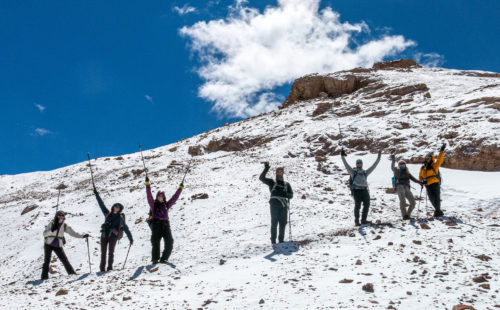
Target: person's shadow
x,y
284,248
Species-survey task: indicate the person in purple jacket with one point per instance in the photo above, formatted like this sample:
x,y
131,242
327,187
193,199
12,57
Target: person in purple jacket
x,y
160,225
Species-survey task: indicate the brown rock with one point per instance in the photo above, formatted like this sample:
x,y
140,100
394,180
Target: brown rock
x,y
125,298
479,279
396,64
368,287
483,257
62,292
346,281
222,261
154,269
199,196
486,286
463,307
261,301
359,262
424,226
195,150
29,209
417,242
310,86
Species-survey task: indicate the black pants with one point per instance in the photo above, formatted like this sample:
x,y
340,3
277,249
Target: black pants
x,y
361,196
161,230
278,216
107,241
62,257
434,193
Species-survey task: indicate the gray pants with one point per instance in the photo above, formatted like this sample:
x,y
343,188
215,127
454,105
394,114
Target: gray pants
x,y
404,193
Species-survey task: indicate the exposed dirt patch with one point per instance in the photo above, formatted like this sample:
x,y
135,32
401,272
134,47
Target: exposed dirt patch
x,y
396,64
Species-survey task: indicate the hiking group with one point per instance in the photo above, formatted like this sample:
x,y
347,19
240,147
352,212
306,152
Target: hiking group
x,y
280,194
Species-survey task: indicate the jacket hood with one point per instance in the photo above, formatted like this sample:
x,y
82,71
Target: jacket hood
x,y
161,193
119,205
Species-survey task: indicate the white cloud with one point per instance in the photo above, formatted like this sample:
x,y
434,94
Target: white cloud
x,y
42,131
149,98
248,54
430,59
40,107
186,9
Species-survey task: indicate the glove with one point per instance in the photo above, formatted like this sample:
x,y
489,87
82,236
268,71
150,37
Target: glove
x,y
182,185
379,152
443,147
95,191
54,226
131,241
342,153
86,236
393,157
266,165
147,179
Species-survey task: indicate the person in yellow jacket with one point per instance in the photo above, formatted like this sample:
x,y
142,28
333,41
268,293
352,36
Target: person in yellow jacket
x,y
429,175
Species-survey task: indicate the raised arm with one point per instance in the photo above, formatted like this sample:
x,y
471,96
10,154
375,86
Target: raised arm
x,y
370,170
346,165
71,232
393,162
151,200
104,210
262,177
174,198
440,159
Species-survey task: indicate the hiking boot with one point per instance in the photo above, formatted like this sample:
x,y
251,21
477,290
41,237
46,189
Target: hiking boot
x,y
154,262
406,217
365,222
356,224
163,261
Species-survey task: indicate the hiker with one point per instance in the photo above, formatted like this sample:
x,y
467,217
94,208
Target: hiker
x,y
281,193
430,176
402,177
160,224
111,231
54,241
359,186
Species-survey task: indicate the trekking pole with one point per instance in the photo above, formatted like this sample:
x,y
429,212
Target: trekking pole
x,y
59,195
88,251
143,163
289,221
90,166
189,165
419,199
126,256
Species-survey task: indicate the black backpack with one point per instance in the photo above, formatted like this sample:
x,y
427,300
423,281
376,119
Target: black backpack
x,y
122,225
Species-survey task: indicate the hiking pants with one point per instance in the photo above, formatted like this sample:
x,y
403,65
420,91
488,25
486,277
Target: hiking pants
x,y
161,230
361,196
278,216
105,242
404,193
434,193
62,257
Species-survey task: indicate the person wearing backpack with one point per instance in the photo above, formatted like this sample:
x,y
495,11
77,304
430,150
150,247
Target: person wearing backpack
x,y
160,224
111,231
281,193
359,186
402,177
431,177
54,241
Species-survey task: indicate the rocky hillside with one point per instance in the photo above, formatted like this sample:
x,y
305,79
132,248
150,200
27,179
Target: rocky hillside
x,y
222,257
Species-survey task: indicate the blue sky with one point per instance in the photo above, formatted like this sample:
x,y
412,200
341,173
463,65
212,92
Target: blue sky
x,y
103,76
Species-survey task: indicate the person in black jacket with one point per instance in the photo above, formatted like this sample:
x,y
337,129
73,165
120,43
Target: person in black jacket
x,y
281,193
112,229
402,177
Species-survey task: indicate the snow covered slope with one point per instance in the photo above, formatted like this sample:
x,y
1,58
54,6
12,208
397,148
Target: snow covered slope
x,y
222,253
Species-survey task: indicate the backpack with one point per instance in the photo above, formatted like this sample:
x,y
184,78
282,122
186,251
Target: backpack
x,y
122,225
